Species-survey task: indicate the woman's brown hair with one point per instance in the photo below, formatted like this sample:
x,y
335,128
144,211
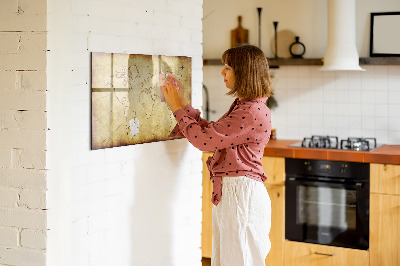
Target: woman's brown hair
x,y
250,66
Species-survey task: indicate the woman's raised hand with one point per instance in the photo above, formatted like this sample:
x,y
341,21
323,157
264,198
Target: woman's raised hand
x,y
173,92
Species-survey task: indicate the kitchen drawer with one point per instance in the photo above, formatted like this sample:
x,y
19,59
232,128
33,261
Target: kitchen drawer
x,y
385,178
305,254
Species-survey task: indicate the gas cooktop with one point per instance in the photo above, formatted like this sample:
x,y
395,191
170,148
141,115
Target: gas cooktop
x,y
332,142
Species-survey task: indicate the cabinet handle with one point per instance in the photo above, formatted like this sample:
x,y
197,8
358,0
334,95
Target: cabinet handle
x,y
324,254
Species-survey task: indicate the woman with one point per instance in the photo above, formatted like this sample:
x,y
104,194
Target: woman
x,y
242,208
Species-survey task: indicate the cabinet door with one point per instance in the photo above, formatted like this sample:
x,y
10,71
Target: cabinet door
x,y
274,168
304,254
277,233
206,226
384,230
385,178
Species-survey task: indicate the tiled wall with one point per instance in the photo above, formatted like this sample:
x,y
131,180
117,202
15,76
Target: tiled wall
x,y
313,102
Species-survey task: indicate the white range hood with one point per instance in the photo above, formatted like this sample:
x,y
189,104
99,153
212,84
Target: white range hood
x,y
341,51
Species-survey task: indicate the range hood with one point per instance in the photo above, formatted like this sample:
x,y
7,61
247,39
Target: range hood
x,y
341,51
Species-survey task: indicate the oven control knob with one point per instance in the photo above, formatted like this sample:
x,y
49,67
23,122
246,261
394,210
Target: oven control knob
x,y
343,168
308,166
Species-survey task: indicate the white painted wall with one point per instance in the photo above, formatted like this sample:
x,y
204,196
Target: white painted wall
x,y
306,19
311,102
23,133
134,205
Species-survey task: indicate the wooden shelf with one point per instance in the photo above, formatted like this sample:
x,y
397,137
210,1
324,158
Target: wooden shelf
x,y
380,61
274,63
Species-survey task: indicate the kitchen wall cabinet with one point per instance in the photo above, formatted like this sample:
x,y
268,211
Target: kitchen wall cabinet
x,y
385,215
274,168
304,254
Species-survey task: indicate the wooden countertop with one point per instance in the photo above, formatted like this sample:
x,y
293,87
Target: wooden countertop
x,y
389,154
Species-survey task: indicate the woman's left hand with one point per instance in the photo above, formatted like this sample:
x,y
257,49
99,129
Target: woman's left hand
x,y
170,90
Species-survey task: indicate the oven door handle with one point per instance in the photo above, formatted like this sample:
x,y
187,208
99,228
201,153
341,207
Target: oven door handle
x,y
352,185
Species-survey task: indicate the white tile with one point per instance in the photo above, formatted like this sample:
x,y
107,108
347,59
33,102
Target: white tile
x,y
342,96
316,72
394,123
367,96
355,109
329,109
367,133
394,83
367,123
291,71
381,123
329,122
317,107
381,84
382,136
354,82
367,110
381,110
367,83
342,81
303,82
381,97
304,72
342,109
292,83
342,133
342,122
355,96
355,122
394,110
394,97
394,70
355,132
380,71
316,82
317,120
394,137
329,94
317,95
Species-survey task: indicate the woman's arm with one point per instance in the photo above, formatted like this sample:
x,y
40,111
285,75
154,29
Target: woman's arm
x,y
174,96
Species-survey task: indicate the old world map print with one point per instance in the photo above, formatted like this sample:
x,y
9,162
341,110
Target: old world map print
x,y
127,103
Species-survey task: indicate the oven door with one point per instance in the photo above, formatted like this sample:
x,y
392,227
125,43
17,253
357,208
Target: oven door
x,y
327,213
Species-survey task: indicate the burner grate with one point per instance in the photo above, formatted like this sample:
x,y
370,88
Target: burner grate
x,y
327,142
358,144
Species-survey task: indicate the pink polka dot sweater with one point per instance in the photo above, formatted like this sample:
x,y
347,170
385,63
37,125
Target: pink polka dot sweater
x,y
238,139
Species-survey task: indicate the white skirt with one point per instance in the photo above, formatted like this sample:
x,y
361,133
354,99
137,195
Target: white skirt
x,y
241,223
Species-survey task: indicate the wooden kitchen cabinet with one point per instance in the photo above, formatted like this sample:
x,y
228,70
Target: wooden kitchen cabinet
x,y
385,178
385,215
206,225
305,254
274,168
277,233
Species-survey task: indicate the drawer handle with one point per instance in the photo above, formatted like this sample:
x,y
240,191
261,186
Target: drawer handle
x,y
324,254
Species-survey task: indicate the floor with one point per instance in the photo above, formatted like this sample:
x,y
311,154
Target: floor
x,y
206,261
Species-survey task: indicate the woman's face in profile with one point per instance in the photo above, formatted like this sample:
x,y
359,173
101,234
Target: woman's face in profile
x,y
229,76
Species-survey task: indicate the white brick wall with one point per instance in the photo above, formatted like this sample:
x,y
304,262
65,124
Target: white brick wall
x,y
134,205
23,132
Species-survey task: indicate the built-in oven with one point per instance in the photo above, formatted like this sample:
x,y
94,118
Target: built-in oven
x,y
327,202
